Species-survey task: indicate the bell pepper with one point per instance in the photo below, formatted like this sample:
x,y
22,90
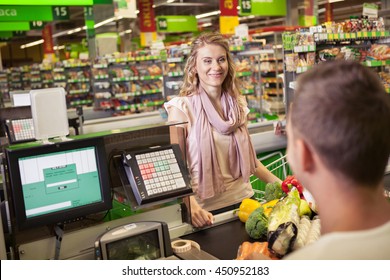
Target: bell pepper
x,y
268,206
247,206
291,182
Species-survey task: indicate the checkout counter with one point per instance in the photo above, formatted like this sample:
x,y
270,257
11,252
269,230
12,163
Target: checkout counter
x,y
77,239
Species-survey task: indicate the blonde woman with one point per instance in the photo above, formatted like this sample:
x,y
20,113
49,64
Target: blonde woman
x,y
220,153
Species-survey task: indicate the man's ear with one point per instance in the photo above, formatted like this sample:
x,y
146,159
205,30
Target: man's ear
x,y
306,155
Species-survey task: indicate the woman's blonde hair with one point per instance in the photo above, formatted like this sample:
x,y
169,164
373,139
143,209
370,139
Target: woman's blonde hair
x,y
191,81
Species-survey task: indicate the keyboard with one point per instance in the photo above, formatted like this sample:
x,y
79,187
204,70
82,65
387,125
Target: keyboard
x,y
20,130
157,174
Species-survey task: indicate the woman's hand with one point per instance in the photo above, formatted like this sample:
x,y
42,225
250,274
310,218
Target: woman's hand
x,y
199,216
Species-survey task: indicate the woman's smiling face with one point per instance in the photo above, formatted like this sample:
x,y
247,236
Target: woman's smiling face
x,y
211,66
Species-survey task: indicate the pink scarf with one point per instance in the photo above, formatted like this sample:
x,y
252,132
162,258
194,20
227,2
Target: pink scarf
x,y
242,157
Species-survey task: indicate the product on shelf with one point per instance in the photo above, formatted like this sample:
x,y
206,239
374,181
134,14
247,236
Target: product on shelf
x,y
362,40
243,65
378,52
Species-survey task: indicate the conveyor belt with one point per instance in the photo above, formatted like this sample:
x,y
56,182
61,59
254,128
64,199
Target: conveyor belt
x,y
221,241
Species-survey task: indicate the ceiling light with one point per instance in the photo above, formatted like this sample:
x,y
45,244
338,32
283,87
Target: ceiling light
x,y
72,31
78,29
32,44
125,32
210,14
206,24
105,22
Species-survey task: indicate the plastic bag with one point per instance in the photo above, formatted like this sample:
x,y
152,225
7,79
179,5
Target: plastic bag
x,y
283,224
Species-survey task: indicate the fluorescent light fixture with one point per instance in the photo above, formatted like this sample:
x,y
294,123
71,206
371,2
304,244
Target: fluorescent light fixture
x,y
62,33
170,1
59,47
78,29
210,14
321,11
32,44
72,31
105,22
125,32
333,1
206,24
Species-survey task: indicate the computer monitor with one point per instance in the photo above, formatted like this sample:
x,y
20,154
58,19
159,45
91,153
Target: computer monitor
x,y
58,183
20,98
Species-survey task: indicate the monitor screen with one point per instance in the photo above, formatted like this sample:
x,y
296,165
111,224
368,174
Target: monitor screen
x,y
58,183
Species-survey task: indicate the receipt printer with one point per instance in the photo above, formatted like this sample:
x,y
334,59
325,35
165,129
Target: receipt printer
x,y
135,241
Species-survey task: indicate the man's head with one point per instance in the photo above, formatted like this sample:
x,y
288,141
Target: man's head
x,y
341,112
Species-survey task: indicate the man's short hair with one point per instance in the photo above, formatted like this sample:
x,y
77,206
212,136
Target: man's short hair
x,y
342,110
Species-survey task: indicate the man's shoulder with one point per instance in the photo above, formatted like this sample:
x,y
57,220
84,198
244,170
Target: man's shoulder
x,y
364,244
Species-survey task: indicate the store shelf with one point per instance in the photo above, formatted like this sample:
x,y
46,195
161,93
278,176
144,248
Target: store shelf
x,y
301,69
244,74
358,46
175,59
351,36
248,91
305,48
149,78
176,74
376,63
236,48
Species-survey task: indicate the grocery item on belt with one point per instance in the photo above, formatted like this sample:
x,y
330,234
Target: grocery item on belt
x,y
283,224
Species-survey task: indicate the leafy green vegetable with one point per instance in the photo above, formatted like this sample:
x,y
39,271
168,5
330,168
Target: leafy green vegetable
x,y
257,224
283,224
273,191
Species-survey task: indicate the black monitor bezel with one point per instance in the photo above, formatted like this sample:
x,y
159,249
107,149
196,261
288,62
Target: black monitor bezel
x,y
62,216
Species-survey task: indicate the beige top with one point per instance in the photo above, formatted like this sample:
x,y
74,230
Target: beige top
x,y
236,189
372,244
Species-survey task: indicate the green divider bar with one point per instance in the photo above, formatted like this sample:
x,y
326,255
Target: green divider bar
x,y
6,34
26,13
263,8
15,26
48,2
